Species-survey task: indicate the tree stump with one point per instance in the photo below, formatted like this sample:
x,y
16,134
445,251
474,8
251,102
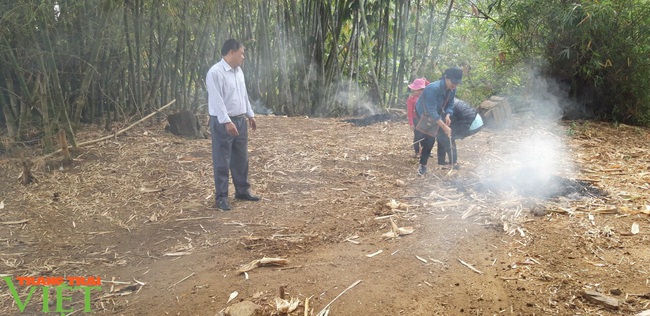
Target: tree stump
x,y
26,176
64,146
185,124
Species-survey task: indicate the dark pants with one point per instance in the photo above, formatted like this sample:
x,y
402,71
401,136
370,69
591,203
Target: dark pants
x,y
445,148
416,142
427,145
230,155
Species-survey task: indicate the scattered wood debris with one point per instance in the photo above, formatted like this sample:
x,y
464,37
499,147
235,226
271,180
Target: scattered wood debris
x,y
308,312
122,288
18,222
232,296
471,267
177,254
437,261
393,204
283,306
527,261
421,259
123,172
262,263
325,310
397,231
352,239
635,228
374,253
601,299
177,283
150,190
469,212
122,291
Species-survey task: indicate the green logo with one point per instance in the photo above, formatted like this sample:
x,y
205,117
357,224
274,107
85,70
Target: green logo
x,y
61,288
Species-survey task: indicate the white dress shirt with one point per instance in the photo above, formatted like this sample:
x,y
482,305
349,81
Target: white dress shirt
x,y
227,95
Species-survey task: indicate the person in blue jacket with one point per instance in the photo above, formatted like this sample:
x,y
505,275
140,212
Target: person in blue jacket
x,y
438,99
465,122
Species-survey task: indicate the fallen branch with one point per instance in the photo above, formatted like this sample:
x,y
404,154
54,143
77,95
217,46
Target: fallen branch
x,y
116,133
177,254
470,266
185,278
326,308
193,218
22,221
289,268
245,224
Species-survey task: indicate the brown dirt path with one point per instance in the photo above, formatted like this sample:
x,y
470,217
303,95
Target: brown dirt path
x,y
137,210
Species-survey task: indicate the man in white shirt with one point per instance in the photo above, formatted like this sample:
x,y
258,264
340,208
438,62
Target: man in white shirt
x,y
230,113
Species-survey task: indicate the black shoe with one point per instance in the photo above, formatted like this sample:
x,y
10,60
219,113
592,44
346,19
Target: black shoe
x,y
247,197
422,171
222,204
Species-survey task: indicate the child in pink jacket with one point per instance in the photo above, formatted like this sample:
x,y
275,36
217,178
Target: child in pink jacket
x,y
417,86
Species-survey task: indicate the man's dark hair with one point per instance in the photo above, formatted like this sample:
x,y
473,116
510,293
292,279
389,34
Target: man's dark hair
x,y
230,44
454,74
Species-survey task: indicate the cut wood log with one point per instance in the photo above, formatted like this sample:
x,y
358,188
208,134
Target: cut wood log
x,y
496,112
185,124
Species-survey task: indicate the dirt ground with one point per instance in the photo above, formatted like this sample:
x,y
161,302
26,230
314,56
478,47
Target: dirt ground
x,y
136,211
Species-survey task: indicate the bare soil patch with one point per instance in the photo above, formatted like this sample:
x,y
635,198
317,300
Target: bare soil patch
x,y
136,211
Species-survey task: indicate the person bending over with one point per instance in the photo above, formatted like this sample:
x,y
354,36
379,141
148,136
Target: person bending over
x,y
465,122
437,100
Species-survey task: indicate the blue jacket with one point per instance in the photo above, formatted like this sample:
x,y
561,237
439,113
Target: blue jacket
x,y
433,98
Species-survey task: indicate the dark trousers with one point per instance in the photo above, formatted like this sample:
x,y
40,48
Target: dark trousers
x,y
230,155
446,148
427,145
416,142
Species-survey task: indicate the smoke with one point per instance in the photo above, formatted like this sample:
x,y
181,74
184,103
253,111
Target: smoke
x,y
259,108
346,98
547,98
552,99
532,150
543,147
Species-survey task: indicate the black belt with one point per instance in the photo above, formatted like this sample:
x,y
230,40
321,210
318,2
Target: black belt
x,y
238,117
